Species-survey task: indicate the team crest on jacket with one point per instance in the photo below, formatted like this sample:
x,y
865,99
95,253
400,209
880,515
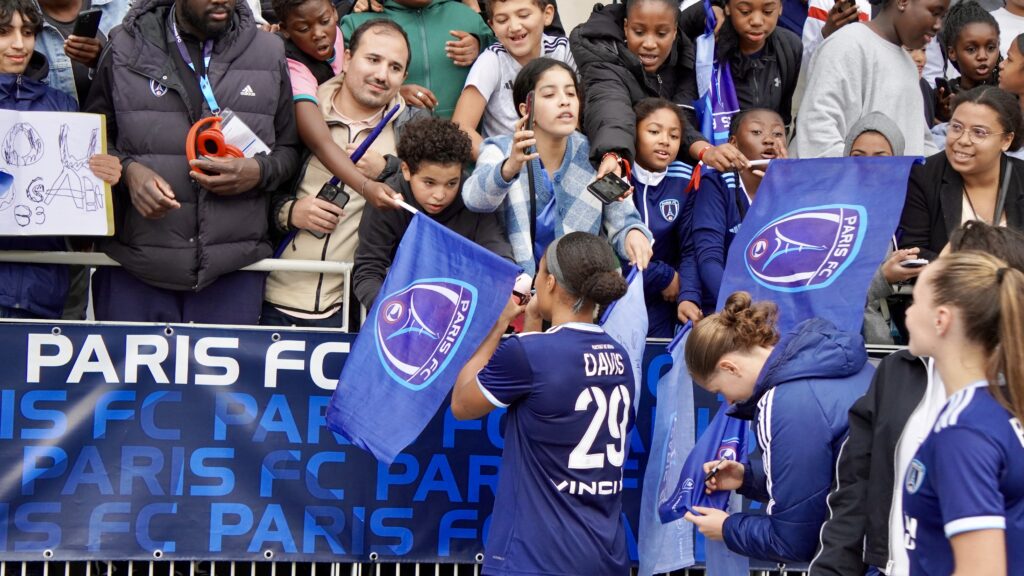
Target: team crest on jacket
x,y
808,248
669,209
420,327
727,450
157,88
915,476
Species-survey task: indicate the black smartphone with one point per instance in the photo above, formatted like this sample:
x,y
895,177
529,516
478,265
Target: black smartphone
x,y
88,23
335,194
941,82
529,114
609,188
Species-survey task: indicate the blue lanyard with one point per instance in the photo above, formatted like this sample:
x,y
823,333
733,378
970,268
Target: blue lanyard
x,y
204,78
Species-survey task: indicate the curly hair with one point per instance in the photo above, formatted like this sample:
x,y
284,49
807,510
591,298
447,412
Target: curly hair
x,y
434,140
743,324
284,8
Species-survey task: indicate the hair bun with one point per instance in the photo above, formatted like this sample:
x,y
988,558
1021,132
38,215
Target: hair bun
x,y
751,322
604,287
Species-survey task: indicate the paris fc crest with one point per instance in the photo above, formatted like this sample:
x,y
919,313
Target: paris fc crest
x,y
808,248
669,209
419,328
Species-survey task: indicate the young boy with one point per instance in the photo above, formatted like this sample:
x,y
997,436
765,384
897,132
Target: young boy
x,y
448,36
486,100
434,153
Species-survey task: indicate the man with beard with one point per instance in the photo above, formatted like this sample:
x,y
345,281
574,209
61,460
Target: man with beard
x,y
352,104
184,231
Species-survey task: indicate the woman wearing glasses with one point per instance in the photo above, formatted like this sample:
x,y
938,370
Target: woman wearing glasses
x,y
973,178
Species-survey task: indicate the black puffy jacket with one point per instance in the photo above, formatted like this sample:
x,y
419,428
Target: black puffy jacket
x,y
614,81
140,89
856,534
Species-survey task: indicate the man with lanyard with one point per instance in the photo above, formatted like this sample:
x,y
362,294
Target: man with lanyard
x,y
184,229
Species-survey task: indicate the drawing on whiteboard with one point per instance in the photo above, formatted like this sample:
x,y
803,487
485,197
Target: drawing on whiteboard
x,y
70,182
22,215
23,146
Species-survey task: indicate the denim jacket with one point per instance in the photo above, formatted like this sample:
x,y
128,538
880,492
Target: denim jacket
x,y
50,42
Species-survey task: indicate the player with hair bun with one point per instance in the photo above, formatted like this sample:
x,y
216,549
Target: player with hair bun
x,y
569,394
798,388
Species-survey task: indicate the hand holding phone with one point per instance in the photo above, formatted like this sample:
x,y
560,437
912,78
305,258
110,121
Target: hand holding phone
x,y
608,188
914,263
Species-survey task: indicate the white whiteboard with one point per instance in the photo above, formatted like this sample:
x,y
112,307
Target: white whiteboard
x,y
53,191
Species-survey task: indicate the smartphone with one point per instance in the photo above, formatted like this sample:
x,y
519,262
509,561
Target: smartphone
x,y
529,115
609,188
915,263
942,83
88,23
335,194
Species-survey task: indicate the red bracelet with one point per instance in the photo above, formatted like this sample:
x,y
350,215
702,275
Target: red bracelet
x,y
622,162
700,155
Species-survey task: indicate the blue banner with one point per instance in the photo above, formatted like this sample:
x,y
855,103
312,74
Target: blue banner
x,y
440,298
717,101
815,236
668,547
626,321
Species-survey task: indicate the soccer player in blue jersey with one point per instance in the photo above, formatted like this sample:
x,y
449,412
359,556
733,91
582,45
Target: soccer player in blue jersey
x,y
569,394
963,500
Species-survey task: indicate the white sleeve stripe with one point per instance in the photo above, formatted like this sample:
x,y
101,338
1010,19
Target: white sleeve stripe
x,y
764,429
490,397
973,524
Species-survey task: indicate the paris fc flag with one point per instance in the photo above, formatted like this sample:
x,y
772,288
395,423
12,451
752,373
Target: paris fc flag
x,y
724,439
440,299
626,321
815,235
667,547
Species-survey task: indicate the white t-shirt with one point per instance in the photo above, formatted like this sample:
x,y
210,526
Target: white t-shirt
x,y
1010,25
493,74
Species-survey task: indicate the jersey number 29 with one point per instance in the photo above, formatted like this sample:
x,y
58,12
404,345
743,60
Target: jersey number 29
x,y
614,411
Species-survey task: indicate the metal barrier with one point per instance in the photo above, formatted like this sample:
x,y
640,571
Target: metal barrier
x,y
201,568
265,265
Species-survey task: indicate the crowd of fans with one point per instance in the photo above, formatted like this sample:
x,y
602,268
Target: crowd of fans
x,y
486,117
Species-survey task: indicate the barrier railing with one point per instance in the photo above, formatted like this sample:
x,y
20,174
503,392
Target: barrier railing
x,y
265,265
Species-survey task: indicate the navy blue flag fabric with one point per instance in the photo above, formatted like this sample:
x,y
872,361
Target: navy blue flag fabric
x,y
626,321
724,439
668,547
717,101
439,300
815,235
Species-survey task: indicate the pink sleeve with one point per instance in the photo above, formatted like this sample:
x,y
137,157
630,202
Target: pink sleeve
x,y
303,82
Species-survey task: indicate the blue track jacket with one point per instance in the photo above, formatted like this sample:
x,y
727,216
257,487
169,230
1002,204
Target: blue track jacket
x,y
800,404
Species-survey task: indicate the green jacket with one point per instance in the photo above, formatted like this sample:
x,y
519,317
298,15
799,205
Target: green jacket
x,y
428,32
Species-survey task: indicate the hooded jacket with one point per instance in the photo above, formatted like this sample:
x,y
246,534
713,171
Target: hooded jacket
x,y
39,289
614,81
380,232
427,28
800,404
142,92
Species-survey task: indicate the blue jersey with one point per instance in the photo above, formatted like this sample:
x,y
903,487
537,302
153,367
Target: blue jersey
x,y
569,393
967,475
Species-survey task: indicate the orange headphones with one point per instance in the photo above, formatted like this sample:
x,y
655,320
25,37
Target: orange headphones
x,y
209,141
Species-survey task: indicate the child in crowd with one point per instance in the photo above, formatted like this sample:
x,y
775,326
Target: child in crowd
x,y
722,200
315,52
558,196
434,153
971,37
1011,78
568,426
659,183
763,59
30,290
625,54
486,100
447,37
864,68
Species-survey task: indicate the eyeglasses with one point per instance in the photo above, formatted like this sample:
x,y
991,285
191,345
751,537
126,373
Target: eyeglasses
x,y
976,134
